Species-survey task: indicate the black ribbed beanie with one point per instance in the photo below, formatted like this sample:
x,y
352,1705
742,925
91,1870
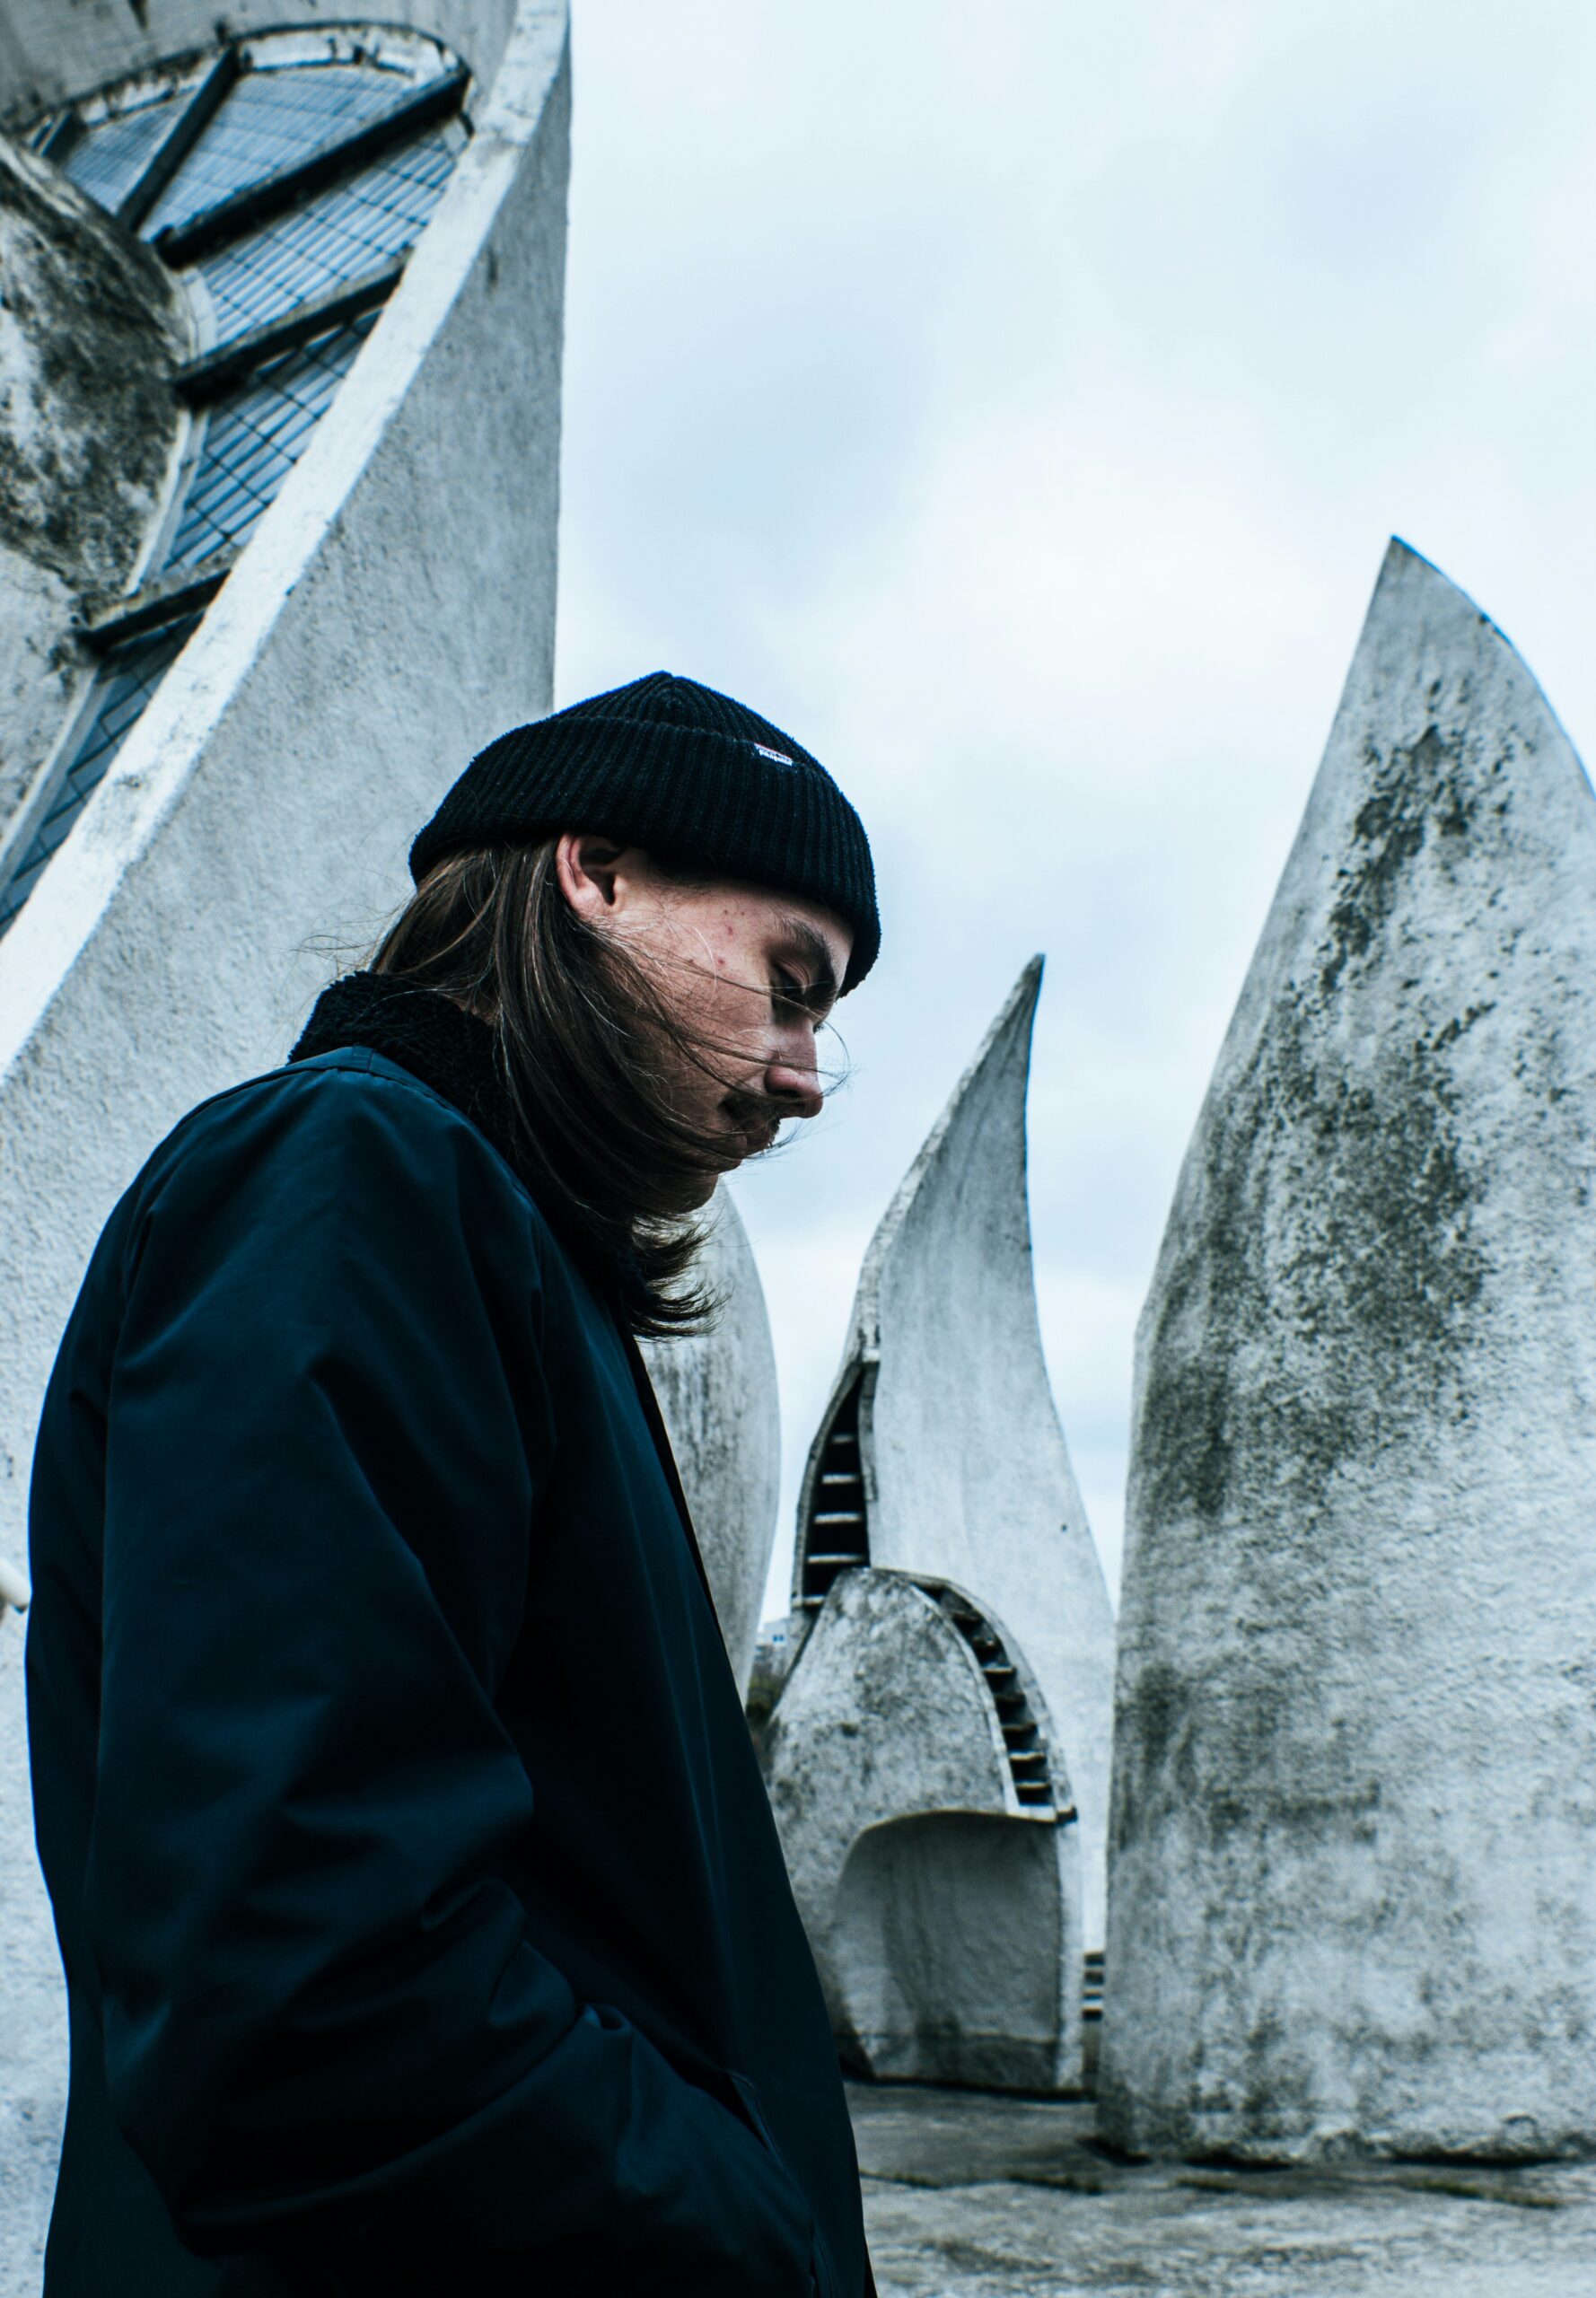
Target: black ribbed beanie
x,y
669,764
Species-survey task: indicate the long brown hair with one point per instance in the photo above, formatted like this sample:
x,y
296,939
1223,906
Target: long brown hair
x,y
591,1056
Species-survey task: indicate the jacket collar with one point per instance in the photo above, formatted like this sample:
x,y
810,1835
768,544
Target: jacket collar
x,y
430,1036
457,1055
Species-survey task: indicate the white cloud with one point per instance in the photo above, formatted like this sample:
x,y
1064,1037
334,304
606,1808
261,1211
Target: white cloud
x,y
1015,402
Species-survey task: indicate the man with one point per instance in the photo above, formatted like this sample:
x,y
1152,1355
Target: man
x,y
424,1925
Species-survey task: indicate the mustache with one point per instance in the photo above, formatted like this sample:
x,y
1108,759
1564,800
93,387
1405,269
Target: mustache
x,y
758,1117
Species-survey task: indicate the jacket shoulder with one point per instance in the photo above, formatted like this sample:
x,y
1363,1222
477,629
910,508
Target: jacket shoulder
x,y
352,1114
333,1092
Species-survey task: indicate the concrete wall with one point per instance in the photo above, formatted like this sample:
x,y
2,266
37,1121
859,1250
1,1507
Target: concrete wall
x,y
394,608
51,52
945,1921
1353,1896
717,1392
966,1472
92,327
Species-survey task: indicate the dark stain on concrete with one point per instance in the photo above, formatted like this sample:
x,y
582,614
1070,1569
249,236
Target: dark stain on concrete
x,y
1316,1309
1416,792
87,429
1331,1283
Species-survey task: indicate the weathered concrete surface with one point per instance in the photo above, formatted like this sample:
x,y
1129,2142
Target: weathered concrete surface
x,y
718,1394
50,55
1353,1901
264,801
966,1472
993,2198
92,327
945,1918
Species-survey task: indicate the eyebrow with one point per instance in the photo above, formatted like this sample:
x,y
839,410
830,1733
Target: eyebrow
x,y
808,944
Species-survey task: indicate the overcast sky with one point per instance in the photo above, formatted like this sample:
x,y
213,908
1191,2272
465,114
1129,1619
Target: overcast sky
x,y
1014,403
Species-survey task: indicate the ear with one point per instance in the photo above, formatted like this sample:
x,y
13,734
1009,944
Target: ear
x,y
593,871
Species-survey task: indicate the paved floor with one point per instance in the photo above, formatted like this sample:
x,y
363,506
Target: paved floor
x,y
977,2196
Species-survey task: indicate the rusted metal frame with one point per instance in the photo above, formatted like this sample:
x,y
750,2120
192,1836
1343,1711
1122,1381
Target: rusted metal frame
x,y
61,138
206,379
181,139
244,211
183,591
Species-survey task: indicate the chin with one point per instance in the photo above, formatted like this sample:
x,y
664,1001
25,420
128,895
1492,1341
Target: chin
x,y
697,1193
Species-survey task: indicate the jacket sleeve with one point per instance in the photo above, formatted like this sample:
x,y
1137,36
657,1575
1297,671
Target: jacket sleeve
x,y
326,2032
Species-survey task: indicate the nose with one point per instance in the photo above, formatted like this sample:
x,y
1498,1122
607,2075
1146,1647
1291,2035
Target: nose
x,y
792,1077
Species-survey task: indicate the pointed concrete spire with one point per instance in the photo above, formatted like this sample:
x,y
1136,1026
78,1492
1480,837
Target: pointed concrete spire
x,y
1353,1899
944,1422
717,1393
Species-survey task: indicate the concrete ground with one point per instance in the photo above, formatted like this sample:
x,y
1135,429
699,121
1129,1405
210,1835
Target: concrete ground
x,y
977,2196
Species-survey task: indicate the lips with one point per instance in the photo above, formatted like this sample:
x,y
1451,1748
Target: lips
x,y
754,1126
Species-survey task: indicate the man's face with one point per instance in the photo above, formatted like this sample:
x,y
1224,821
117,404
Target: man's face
x,y
750,976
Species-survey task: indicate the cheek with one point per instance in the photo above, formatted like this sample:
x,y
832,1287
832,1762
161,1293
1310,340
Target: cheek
x,y
733,967
729,947
716,1010
722,993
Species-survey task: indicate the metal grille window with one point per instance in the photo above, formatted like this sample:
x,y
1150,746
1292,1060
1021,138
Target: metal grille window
x,y
129,677
273,120
271,187
254,438
112,154
338,236
1024,1745
835,1533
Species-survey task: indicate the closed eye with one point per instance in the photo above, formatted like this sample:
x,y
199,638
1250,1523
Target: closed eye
x,y
790,996
812,991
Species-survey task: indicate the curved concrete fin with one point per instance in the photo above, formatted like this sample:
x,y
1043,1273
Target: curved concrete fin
x,y
982,1123
1354,1892
962,1470
936,1875
840,1536
718,1392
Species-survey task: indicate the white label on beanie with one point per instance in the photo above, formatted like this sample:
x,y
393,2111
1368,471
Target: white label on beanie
x,y
780,757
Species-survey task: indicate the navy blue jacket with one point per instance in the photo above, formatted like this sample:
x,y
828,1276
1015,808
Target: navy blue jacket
x,y
424,1924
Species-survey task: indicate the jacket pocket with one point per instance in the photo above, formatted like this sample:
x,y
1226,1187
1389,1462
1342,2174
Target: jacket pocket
x,y
820,2267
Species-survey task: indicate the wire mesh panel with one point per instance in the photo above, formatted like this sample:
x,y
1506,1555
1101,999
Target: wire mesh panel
x,y
122,685
273,120
111,155
254,438
344,233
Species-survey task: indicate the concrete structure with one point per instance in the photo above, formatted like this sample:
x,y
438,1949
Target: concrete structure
x,y
1353,1899
369,445
941,1452
718,1394
91,431
968,2196
928,1833
937,1752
